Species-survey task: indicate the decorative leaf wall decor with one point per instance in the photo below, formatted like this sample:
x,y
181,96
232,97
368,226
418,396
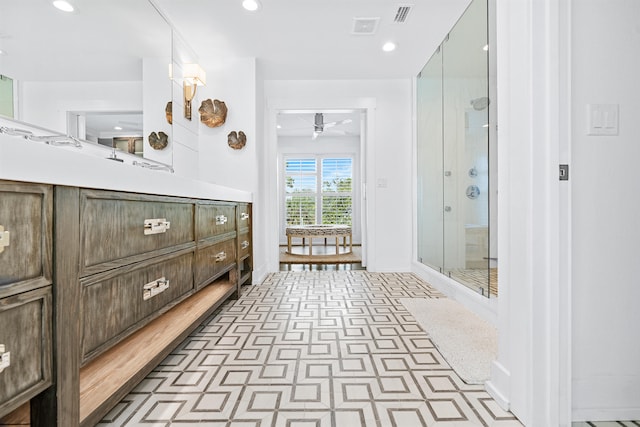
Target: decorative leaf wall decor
x,y
236,140
213,113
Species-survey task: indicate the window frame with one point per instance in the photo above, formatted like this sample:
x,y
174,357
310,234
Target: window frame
x,y
319,191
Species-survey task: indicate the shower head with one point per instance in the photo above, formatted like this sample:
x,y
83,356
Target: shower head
x,y
480,104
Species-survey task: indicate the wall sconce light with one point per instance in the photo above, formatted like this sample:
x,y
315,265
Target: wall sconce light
x,y
193,76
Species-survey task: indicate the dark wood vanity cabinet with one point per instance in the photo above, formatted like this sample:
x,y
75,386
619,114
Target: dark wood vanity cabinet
x,y
245,243
25,292
216,237
109,283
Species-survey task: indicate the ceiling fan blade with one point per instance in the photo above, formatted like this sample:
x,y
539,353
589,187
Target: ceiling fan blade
x,y
339,132
338,122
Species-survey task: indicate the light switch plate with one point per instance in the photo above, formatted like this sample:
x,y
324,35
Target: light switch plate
x,y
602,119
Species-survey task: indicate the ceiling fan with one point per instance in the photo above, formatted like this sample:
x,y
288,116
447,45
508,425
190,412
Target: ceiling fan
x,y
319,126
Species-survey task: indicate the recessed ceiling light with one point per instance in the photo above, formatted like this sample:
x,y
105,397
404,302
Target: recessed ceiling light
x,y
278,126
389,46
117,128
251,5
63,5
485,47
2,52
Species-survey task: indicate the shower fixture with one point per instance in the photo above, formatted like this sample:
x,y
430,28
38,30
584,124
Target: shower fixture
x,y
480,104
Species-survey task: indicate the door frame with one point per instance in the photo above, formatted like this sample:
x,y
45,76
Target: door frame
x,y
272,210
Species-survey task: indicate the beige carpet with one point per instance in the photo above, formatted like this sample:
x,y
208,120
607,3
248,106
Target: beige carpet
x,y
301,255
468,343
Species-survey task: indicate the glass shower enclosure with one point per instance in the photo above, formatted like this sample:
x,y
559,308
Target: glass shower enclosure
x,y
453,156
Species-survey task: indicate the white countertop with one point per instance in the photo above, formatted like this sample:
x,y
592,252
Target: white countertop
x,y
22,160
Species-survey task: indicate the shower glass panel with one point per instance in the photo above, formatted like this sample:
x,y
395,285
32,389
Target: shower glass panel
x,y
466,149
453,154
429,152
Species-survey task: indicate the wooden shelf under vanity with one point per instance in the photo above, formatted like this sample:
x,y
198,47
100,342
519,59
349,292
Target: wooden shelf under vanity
x,y
108,378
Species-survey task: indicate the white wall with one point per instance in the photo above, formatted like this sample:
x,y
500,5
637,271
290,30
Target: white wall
x,y
46,104
568,346
234,82
606,271
531,376
387,157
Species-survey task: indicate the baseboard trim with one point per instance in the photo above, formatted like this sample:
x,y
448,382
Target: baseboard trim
x,y
606,398
258,276
597,415
498,385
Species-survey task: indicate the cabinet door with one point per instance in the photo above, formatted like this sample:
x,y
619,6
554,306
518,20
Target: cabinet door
x,y
120,228
25,237
215,219
244,216
25,341
214,260
244,245
118,302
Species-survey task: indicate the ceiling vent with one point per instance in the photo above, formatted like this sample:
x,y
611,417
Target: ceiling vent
x,y
365,26
402,13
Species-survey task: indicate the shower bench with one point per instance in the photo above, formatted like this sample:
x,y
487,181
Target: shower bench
x,y
324,231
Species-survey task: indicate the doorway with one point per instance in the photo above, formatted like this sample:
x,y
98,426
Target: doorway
x,y
319,182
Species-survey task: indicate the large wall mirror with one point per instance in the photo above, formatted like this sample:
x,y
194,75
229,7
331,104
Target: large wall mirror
x,y
97,73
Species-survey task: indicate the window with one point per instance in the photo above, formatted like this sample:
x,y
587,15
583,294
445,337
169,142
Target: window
x,y
318,190
337,191
301,191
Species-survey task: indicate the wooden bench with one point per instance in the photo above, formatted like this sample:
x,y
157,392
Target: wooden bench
x,y
324,231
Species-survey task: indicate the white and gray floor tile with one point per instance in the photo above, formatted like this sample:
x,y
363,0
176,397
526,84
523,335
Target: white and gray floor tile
x,y
311,348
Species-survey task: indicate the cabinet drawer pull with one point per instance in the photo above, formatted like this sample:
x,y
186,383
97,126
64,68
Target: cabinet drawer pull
x,y
5,358
156,226
245,244
221,219
4,239
244,216
221,256
154,288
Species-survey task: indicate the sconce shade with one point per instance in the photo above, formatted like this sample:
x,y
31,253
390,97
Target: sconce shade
x,y
193,76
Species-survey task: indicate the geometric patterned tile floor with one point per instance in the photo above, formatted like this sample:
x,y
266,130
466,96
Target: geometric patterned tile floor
x,y
311,349
607,424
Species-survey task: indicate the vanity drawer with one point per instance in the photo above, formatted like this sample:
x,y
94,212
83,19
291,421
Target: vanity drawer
x,y
25,237
215,219
117,302
214,260
25,340
244,216
244,244
119,226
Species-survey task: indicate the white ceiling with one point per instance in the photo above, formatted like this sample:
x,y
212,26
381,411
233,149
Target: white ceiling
x,y
312,39
290,39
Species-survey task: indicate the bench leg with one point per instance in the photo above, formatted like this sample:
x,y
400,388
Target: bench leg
x,y
337,245
310,245
289,244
